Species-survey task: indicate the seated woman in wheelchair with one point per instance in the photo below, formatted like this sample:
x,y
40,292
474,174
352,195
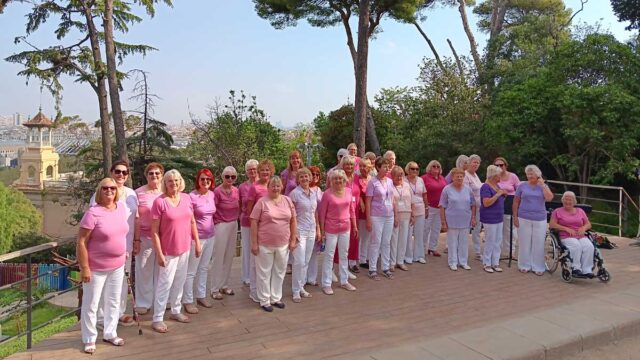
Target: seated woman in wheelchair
x,y
572,223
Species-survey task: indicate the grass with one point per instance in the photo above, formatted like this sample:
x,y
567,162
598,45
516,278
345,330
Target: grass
x,y
8,296
20,344
41,314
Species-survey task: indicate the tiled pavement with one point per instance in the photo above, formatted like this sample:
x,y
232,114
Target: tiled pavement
x,y
429,312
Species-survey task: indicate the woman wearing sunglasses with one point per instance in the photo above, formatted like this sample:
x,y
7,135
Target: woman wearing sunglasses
x,y
204,207
434,182
226,220
509,182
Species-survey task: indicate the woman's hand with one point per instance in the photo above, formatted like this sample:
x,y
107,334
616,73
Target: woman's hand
x,y
86,275
443,226
254,249
362,206
318,235
395,222
473,222
293,244
412,221
198,249
136,248
516,223
161,260
369,225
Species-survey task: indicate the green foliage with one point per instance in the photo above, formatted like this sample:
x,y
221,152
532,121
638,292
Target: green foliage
x,y
43,333
627,10
18,216
9,175
234,133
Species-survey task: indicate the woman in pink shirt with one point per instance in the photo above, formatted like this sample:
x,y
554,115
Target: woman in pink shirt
x,y
361,214
251,172
101,252
416,244
405,218
204,207
509,182
266,170
472,180
143,248
434,182
288,175
273,234
226,220
348,166
337,217
572,222
173,228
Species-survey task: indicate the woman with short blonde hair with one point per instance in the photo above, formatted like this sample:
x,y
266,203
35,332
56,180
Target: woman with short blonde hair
x,y
491,213
457,214
251,172
415,238
434,182
405,218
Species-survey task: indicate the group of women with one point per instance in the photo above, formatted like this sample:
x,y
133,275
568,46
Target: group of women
x,y
370,210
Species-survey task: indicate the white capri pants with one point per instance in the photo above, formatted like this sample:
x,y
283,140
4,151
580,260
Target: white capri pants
x,y
415,241
506,231
224,246
341,242
105,287
197,271
301,257
458,244
364,236
400,241
581,251
380,242
245,242
432,226
492,242
145,274
531,248
170,284
271,266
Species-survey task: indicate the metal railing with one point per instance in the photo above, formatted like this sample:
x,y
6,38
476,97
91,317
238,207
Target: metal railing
x,y
28,282
623,201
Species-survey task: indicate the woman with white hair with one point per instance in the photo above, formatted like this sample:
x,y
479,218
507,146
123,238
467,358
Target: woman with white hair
x,y
457,214
226,223
353,152
390,156
434,182
415,238
491,212
530,217
461,163
405,218
573,223
337,218
472,180
251,172
173,228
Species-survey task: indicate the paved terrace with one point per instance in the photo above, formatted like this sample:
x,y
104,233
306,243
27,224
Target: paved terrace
x,y
429,312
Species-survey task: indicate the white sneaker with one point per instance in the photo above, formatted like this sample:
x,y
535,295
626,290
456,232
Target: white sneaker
x,y
453,267
422,261
466,267
351,275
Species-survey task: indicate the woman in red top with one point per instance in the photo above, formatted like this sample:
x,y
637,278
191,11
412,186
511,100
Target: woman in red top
x,y
434,182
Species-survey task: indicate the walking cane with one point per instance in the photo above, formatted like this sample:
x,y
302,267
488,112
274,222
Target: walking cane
x,y
136,316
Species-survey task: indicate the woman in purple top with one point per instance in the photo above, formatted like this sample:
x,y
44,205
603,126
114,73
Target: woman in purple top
x,y
491,212
509,182
251,172
101,252
226,220
381,219
204,207
457,215
288,175
530,217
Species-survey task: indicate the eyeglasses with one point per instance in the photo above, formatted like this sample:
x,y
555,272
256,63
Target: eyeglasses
x,y
414,169
499,165
436,166
121,172
316,174
206,179
154,173
109,188
232,177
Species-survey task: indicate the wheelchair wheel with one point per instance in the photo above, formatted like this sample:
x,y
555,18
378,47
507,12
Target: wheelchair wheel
x,y
566,275
551,253
604,275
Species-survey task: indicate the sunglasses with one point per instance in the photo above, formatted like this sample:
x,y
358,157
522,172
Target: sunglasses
x,y
154,173
316,174
414,169
121,172
206,179
109,188
232,177
499,165
436,166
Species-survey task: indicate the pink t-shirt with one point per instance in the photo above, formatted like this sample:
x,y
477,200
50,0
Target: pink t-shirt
x,y
402,197
336,212
257,191
382,197
145,202
434,189
175,224
510,185
417,190
107,243
273,220
228,205
244,190
204,208
572,221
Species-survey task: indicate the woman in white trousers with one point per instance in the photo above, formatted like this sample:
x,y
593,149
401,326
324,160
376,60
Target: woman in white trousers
x,y
491,213
312,268
458,214
530,217
251,172
361,213
402,197
472,180
416,245
434,182
509,182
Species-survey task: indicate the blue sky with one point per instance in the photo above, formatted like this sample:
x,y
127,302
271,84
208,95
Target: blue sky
x,y
207,47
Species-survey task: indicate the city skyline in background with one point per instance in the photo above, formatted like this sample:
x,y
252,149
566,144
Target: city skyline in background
x,y
295,73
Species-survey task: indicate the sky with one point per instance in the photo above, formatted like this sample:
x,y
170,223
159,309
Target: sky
x,y
208,47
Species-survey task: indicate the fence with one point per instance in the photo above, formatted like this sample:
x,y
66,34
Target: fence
x,y
611,205
50,276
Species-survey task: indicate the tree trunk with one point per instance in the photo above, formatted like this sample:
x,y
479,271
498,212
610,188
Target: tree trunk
x,y
112,75
458,62
473,45
372,136
101,88
433,48
360,104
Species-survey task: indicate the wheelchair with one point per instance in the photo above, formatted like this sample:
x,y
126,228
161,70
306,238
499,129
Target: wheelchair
x,y
556,254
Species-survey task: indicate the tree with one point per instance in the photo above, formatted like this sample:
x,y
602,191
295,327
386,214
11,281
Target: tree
x,y
627,10
325,13
18,216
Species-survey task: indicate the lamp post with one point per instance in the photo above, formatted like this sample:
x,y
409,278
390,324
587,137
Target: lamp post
x,y
308,149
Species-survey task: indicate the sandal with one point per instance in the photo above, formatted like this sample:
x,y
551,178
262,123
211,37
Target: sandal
x,y
524,271
190,308
159,327
539,273
90,348
116,341
387,274
374,276
354,269
227,291
182,318
126,320
217,296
